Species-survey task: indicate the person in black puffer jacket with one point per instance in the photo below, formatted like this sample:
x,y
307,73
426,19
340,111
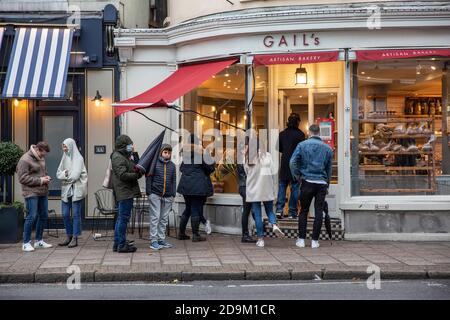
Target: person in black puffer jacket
x,y
161,188
195,186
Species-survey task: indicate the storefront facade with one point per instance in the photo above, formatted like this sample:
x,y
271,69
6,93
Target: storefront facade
x,y
51,75
389,112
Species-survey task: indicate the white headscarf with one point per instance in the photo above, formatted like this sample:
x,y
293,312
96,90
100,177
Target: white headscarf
x,y
72,161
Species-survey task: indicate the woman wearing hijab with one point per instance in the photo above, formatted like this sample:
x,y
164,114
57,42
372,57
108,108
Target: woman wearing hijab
x,y
73,175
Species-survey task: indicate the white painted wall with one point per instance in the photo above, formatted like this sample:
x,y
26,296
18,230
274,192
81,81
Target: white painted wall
x,y
182,10
99,128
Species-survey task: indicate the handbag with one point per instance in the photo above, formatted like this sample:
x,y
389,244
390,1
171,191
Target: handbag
x,y
107,182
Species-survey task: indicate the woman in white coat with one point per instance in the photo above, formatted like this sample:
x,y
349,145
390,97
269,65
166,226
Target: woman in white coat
x,y
261,180
73,175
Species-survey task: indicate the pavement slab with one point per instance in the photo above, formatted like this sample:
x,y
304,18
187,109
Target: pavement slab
x,y
224,257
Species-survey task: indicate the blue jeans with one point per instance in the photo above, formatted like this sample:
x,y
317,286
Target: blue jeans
x,y
256,208
72,229
293,198
37,208
120,230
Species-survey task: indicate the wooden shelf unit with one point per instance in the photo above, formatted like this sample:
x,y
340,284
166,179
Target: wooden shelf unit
x,y
430,166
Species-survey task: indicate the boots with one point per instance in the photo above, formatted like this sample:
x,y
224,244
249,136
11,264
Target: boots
x,y
73,243
246,238
195,223
65,242
182,233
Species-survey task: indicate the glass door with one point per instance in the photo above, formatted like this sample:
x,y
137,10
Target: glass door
x,y
54,127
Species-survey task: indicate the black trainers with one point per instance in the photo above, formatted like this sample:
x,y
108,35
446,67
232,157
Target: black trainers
x,y
127,248
130,242
197,238
182,236
247,239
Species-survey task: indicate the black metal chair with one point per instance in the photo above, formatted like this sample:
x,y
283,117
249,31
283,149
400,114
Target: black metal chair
x,y
141,209
53,212
106,208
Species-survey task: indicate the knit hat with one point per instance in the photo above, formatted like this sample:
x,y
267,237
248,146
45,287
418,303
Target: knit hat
x,y
166,146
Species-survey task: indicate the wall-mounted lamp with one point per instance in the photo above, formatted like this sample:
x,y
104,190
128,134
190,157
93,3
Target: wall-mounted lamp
x,y
301,76
16,102
97,99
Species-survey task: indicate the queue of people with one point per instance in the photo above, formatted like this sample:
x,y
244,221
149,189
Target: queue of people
x,y
305,167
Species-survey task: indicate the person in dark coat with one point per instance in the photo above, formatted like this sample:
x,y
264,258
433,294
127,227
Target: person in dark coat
x,y
125,177
287,142
195,185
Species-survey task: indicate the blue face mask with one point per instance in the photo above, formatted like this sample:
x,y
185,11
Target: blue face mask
x,y
129,148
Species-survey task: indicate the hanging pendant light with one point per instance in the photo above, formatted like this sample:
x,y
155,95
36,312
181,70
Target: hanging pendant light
x,y
301,76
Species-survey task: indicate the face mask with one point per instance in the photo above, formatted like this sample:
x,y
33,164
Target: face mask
x,y
129,148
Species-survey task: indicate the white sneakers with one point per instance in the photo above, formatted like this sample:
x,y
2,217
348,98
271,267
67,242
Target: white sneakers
x,y
208,227
301,243
42,244
314,244
27,247
277,231
260,243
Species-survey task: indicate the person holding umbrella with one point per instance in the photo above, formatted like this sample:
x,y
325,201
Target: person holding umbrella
x,y
311,164
195,186
125,176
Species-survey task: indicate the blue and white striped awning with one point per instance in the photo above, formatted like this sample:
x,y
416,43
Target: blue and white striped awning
x,y
38,63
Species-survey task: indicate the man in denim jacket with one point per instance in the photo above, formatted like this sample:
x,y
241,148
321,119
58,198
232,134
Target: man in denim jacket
x,y
311,163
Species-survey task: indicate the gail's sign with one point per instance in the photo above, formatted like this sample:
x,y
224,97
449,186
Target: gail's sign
x,y
303,40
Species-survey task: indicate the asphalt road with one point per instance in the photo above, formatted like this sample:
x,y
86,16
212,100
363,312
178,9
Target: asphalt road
x,y
234,290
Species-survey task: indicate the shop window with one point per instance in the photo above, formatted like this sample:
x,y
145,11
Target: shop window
x,y
397,141
222,97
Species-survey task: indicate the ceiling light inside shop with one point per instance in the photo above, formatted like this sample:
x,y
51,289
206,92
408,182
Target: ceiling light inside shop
x,y
433,68
362,72
213,109
227,74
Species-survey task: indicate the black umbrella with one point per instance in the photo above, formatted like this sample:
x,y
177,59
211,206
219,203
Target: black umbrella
x,y
327,219
147,162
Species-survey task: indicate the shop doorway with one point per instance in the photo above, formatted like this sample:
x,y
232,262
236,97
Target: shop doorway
x,y
315,105
54,127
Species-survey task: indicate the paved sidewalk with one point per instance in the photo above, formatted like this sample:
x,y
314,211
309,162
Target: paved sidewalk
x,y
224,257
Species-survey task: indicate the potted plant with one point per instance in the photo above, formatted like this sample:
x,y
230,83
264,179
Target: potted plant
x,y
217,180
11,214
222,170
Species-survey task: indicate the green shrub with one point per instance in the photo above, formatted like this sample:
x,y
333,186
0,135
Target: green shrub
x,y
10,154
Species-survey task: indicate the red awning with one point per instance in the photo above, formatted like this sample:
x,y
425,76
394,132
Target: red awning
x,y
177,84
370,55
295,58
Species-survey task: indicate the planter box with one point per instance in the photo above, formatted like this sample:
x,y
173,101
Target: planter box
x,y
11,225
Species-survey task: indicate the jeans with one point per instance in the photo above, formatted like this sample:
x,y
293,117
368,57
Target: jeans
x,y
309,191
293,198
256,207
159,216
120,230
247,207
194,206
37,208
72,229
